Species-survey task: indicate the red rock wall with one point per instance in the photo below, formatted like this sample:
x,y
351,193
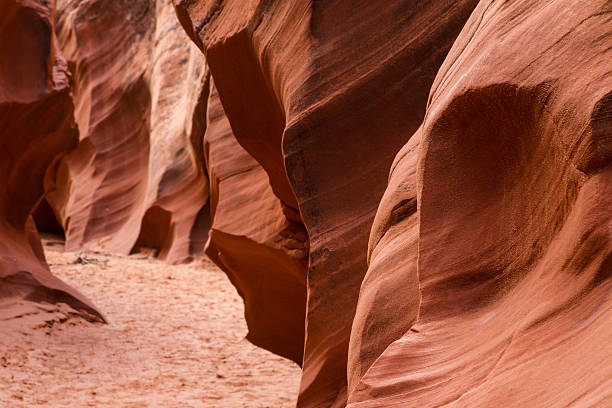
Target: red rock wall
x,y
322,95
324,118
103,105
137,82
514,192
372,66
36,125
479,277
263,253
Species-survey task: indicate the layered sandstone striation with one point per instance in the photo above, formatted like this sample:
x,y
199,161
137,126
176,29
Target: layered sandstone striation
x,y
103,106
498,196
262,251
413,199
324,118
36,125
514,192
136,177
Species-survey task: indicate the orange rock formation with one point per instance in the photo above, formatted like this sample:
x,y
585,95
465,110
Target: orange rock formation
x,y
322,96
36,124
474,269
137,85
263,252
514,191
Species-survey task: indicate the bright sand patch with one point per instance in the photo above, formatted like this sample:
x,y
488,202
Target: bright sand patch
x,y
175,338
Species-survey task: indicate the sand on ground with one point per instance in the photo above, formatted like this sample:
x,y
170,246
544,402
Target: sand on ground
x,y
175,338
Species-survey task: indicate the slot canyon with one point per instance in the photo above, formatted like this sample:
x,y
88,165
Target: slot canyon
x,y
305,203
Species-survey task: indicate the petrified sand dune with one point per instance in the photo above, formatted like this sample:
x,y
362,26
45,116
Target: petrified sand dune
x,y
514,242
36,124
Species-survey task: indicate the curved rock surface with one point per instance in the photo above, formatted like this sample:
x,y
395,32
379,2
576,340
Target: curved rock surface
x,y
324,119
36,124
263,253
480,277
389,297
514,191
136,177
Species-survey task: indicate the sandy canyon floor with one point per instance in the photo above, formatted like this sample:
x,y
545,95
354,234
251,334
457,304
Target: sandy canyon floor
x,y
175,338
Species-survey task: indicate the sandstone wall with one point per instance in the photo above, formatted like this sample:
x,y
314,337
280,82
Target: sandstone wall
x,y
322,95
137,85
412,198
36,125
514,189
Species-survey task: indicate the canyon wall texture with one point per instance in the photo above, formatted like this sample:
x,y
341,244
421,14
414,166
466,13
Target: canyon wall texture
x,y
262,251
494,204
514,190
36,125
414,199
323,95
103,105
136,178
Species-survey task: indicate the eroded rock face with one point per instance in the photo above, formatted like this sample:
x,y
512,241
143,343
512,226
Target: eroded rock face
x,y
322,95
262,251
481,277
138,83
36,124
389,297
514,191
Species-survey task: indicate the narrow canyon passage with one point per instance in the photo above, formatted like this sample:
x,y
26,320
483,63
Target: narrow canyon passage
x,y
175,338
